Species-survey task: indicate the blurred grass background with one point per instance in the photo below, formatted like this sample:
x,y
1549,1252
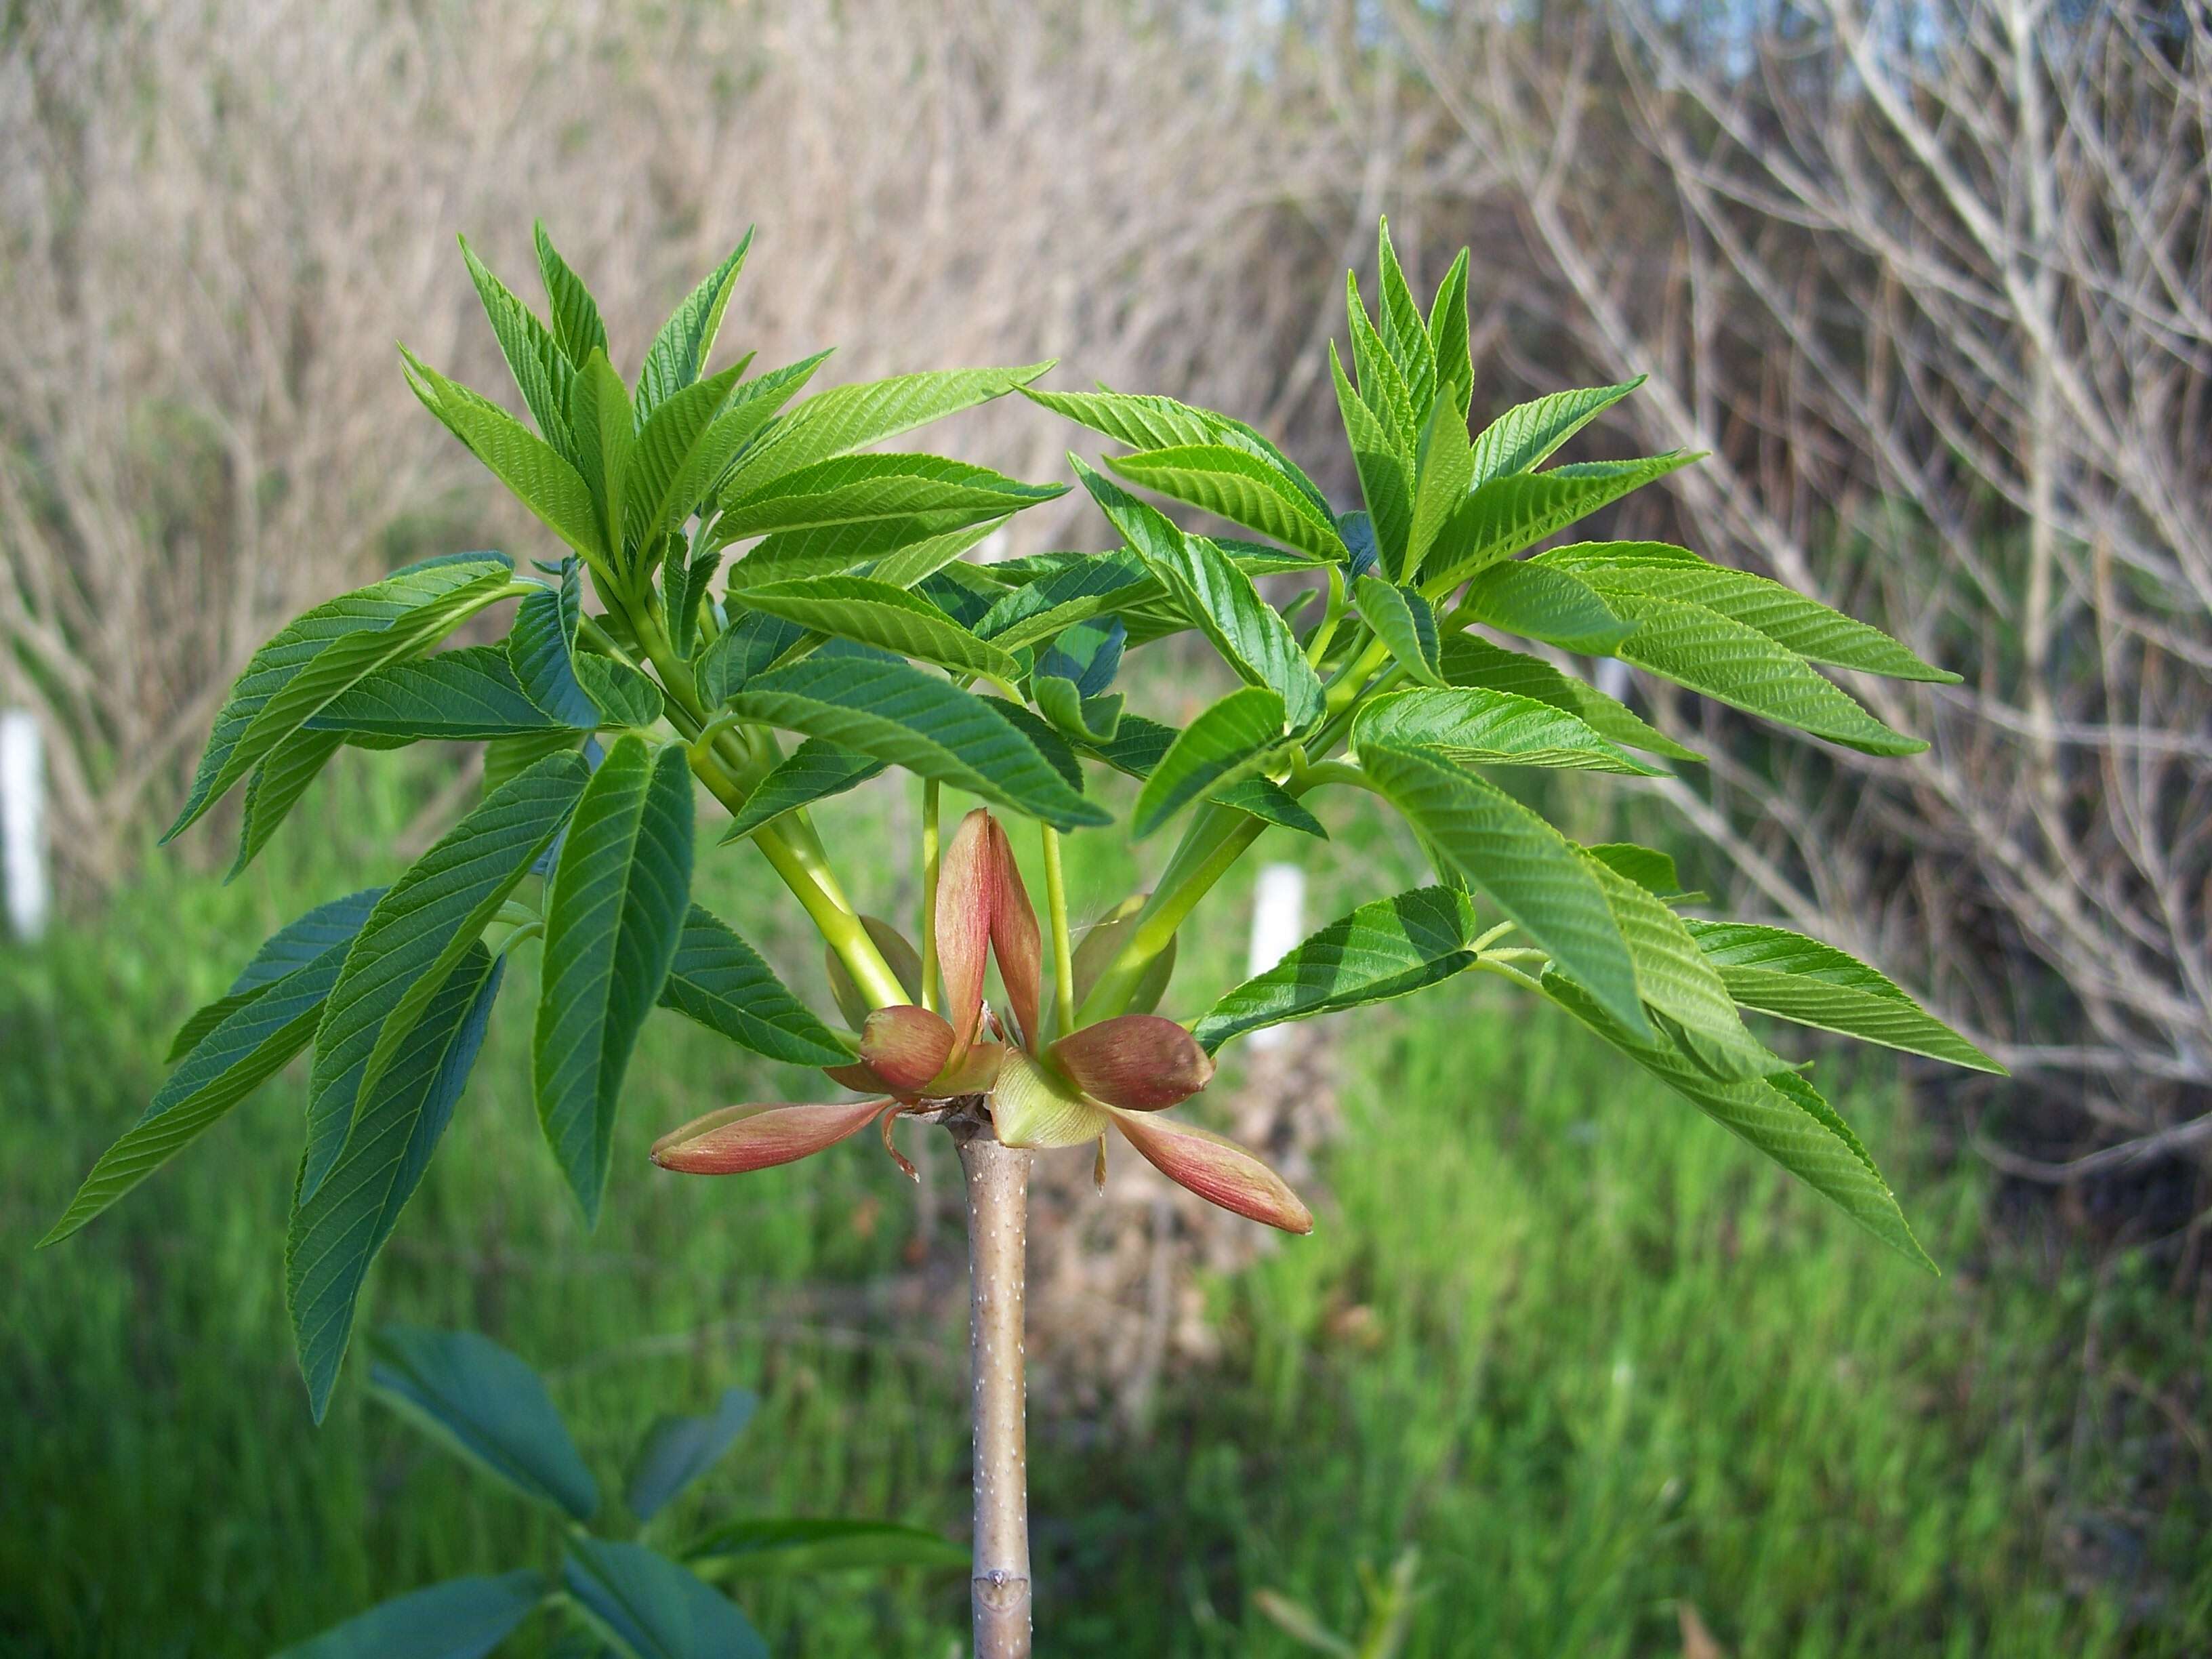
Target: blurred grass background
x,y
1596,1359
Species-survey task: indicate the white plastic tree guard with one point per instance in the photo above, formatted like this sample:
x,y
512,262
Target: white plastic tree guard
x,y
23,824
1279,922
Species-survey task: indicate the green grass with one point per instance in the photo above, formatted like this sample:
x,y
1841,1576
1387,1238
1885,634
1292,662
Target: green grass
x,y
1586,1351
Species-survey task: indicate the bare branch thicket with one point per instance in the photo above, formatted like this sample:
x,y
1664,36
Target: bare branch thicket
x,y
215,217
1931,283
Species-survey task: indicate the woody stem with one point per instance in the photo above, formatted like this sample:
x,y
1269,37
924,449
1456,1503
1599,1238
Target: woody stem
x,y
997,1222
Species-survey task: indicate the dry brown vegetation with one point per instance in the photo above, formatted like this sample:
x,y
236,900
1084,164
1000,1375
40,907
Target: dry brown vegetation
x,y
1930,279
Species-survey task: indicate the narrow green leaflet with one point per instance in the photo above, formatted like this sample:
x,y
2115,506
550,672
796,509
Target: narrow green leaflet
x,y
1783,1116
1146,422
1383,483
849,417
1525,435
1264,799
415,938
673,465
900,714
1471,661
1496,519
484,1404
275,789
652,1609
1529,870
814,771
576,323
752,644
837,549
917,560
1405,335
541,476
470,693
294,945
336,1233
678,1450
1091,586
1136,748
793,1543
1541,602
1790,619
1406,623
1239,486
1382,950
606,435
1382,386
853,489
1224,745
1446,463
875,613
625,697
678,354
244,1050
614,913
1244,628
1796,978
1740,667
542,375
460,1619
1448,330
321,653
1473,726
685,581
721,982
541,649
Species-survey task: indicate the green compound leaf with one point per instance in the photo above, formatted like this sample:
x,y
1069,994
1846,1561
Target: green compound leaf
x,y
1498,520
853,490
678,353
678,1450
1156,423
607,436
293,945
652,1609
542,375
613,914
1406,623
814,771
1226,744
1385,949
335,1234
539,476
875,613
1239,486
1250,633
1468,661
1738,666
460,1619
848,418
272,1011
1783,1117
275,789
1796,978
1805,626
1472,726
674,461
327,650
1529,870
721,982
1526,435
1382,386
482,1403
416,937
458,696
1541,602
1648,867
899,714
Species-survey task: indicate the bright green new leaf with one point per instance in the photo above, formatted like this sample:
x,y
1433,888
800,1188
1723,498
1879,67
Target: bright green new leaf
x,y
606,438
871,612
482,1403
1405,335
1532,873
1448,330
416,937
1781,1115
1468,660
542,375
460,1619
673,463
540,476
1786,974
1385,949
1156,423
1647,866
1382,386
684,583
853,489
1444,464
898,713
1541,602
1384,482
1138,743
1226,744
1239,486
613,914
1088,586
1404,623
649,1608
335,1234
1475,727
837,549
1499,518
721,982
1090,720
314,659
678,354
814,771
1525,435
576,323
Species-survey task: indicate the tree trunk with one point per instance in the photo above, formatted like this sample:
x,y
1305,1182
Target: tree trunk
x,y
998,1226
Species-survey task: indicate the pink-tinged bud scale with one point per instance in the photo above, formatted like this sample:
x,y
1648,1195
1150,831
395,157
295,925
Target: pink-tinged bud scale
x,y
1141,1061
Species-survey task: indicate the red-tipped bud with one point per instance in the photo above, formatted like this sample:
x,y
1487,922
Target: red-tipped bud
x,y
906,1047
1141,1061
1014,938
1218,1170
741,1139
966,886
